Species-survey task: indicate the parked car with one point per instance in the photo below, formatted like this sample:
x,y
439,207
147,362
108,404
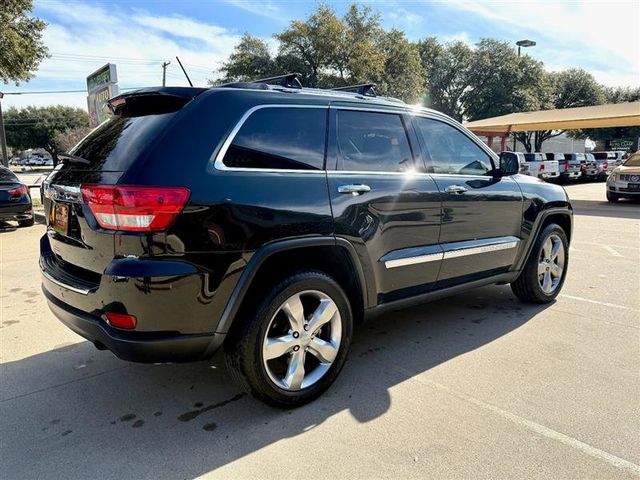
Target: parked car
x,y
15,201
588,168
542,168
294,214
568,170
606,161
624,181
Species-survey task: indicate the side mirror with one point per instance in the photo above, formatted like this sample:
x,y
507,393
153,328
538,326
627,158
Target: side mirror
x,y
509,164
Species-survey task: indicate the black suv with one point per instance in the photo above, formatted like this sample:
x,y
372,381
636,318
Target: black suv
x,y
267,220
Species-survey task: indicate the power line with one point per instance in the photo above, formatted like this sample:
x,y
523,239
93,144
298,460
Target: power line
x,y
60,91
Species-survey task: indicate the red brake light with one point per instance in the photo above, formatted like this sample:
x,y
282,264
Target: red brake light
x,y
21,190
605,165
542,167
119,320
566,165
134,209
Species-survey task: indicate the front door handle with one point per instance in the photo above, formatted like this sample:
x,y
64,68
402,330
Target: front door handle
x,y
455,189
354,189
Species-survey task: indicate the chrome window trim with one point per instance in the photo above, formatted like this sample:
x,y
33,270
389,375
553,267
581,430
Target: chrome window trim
x,y
219,157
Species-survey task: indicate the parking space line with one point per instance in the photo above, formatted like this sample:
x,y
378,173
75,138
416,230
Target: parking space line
x,y
604,304
531,425
630,247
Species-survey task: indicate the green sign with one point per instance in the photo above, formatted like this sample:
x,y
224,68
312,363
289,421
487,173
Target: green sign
x,y
101,86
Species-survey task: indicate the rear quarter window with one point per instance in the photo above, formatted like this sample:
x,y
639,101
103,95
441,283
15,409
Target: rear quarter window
x,y
282,138
7,176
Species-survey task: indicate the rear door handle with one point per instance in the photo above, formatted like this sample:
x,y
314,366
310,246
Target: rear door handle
x,y
354,189
455,189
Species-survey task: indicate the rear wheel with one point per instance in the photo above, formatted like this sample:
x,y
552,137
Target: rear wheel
x,y
292,347
612,197
543,275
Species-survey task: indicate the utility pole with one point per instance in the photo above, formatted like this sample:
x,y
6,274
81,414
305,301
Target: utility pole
x,y
3,138
164,72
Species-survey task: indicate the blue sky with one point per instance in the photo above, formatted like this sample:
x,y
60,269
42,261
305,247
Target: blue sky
x,y
602,37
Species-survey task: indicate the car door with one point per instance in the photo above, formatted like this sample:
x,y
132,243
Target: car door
x,y
481,212
382,200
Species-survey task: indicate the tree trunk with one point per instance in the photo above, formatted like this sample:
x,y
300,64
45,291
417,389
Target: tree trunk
x,y
54,154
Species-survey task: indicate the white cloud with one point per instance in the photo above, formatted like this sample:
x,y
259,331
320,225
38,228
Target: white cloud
x,y
604,36
82,38
263,8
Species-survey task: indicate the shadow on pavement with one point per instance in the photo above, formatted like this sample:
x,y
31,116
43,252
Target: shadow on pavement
x,y
623,209
75,412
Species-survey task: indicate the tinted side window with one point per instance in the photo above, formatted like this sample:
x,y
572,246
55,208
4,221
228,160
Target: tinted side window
x,y
450,150
372,142
280,138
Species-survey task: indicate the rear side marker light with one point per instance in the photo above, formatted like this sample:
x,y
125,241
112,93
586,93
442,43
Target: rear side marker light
x,y
119,320
134,209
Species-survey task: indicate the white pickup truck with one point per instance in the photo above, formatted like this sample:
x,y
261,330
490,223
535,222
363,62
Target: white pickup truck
x,y
540,167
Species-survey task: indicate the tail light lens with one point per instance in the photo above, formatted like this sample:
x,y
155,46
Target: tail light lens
x,y
605,165
542,167
119,320
18,191
134,209
566,165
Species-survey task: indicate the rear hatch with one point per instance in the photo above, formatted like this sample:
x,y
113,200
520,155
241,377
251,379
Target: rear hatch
x,y
77,243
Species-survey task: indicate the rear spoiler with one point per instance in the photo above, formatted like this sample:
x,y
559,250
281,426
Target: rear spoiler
x,y
152,101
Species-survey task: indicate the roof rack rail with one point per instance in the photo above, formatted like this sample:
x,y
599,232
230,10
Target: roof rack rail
x,y
364,89
289,80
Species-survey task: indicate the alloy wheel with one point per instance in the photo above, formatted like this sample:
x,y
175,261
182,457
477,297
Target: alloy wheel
x,y
551,264
302,340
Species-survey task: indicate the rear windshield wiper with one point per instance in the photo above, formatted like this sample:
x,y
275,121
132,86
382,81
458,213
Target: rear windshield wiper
x,y
73,158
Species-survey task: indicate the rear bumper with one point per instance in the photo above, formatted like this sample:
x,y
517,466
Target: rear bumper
x,y
20,211
157,347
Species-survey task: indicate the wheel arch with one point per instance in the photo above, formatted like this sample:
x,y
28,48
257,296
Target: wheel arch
x,y
333,256
562,216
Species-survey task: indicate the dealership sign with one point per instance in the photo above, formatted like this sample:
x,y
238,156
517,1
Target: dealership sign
x,y
101,86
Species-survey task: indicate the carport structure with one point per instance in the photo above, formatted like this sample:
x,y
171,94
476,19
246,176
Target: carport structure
x,y
598,116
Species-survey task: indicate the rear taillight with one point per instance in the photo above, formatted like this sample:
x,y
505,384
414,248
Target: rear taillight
x,y
605,165
18,191
566,165
134,209
542,168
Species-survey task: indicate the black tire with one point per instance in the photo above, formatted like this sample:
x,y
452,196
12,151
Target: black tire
x,y
243,348
612,197
26,223
527,286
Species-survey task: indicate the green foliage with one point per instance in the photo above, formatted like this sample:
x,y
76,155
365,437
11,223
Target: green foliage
x,y
38,127
21,46
250,59
401,76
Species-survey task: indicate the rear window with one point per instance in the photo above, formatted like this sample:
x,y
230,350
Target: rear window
x,y
280,138
7,176
601,155
533,157
114,145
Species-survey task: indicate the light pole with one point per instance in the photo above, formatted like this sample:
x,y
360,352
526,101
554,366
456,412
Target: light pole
x,y
525,43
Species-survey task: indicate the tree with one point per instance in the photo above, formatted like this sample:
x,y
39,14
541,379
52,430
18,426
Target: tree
x,y
402,73
20,41
67,139
446,75
569,89
37,127
329,51
612,95
250,59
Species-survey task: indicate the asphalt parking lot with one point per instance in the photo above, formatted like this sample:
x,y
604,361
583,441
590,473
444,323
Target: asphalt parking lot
x,y
475,386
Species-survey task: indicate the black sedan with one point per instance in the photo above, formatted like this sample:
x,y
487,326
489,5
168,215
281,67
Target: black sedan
x,y
15,201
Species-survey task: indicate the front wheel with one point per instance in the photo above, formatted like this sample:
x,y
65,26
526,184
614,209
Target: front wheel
x,y
292,347
543,275
612,197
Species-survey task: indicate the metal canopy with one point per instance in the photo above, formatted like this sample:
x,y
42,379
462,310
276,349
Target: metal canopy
x,y
598,116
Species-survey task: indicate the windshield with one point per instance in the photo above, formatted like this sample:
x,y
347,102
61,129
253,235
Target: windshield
x,y
633,161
